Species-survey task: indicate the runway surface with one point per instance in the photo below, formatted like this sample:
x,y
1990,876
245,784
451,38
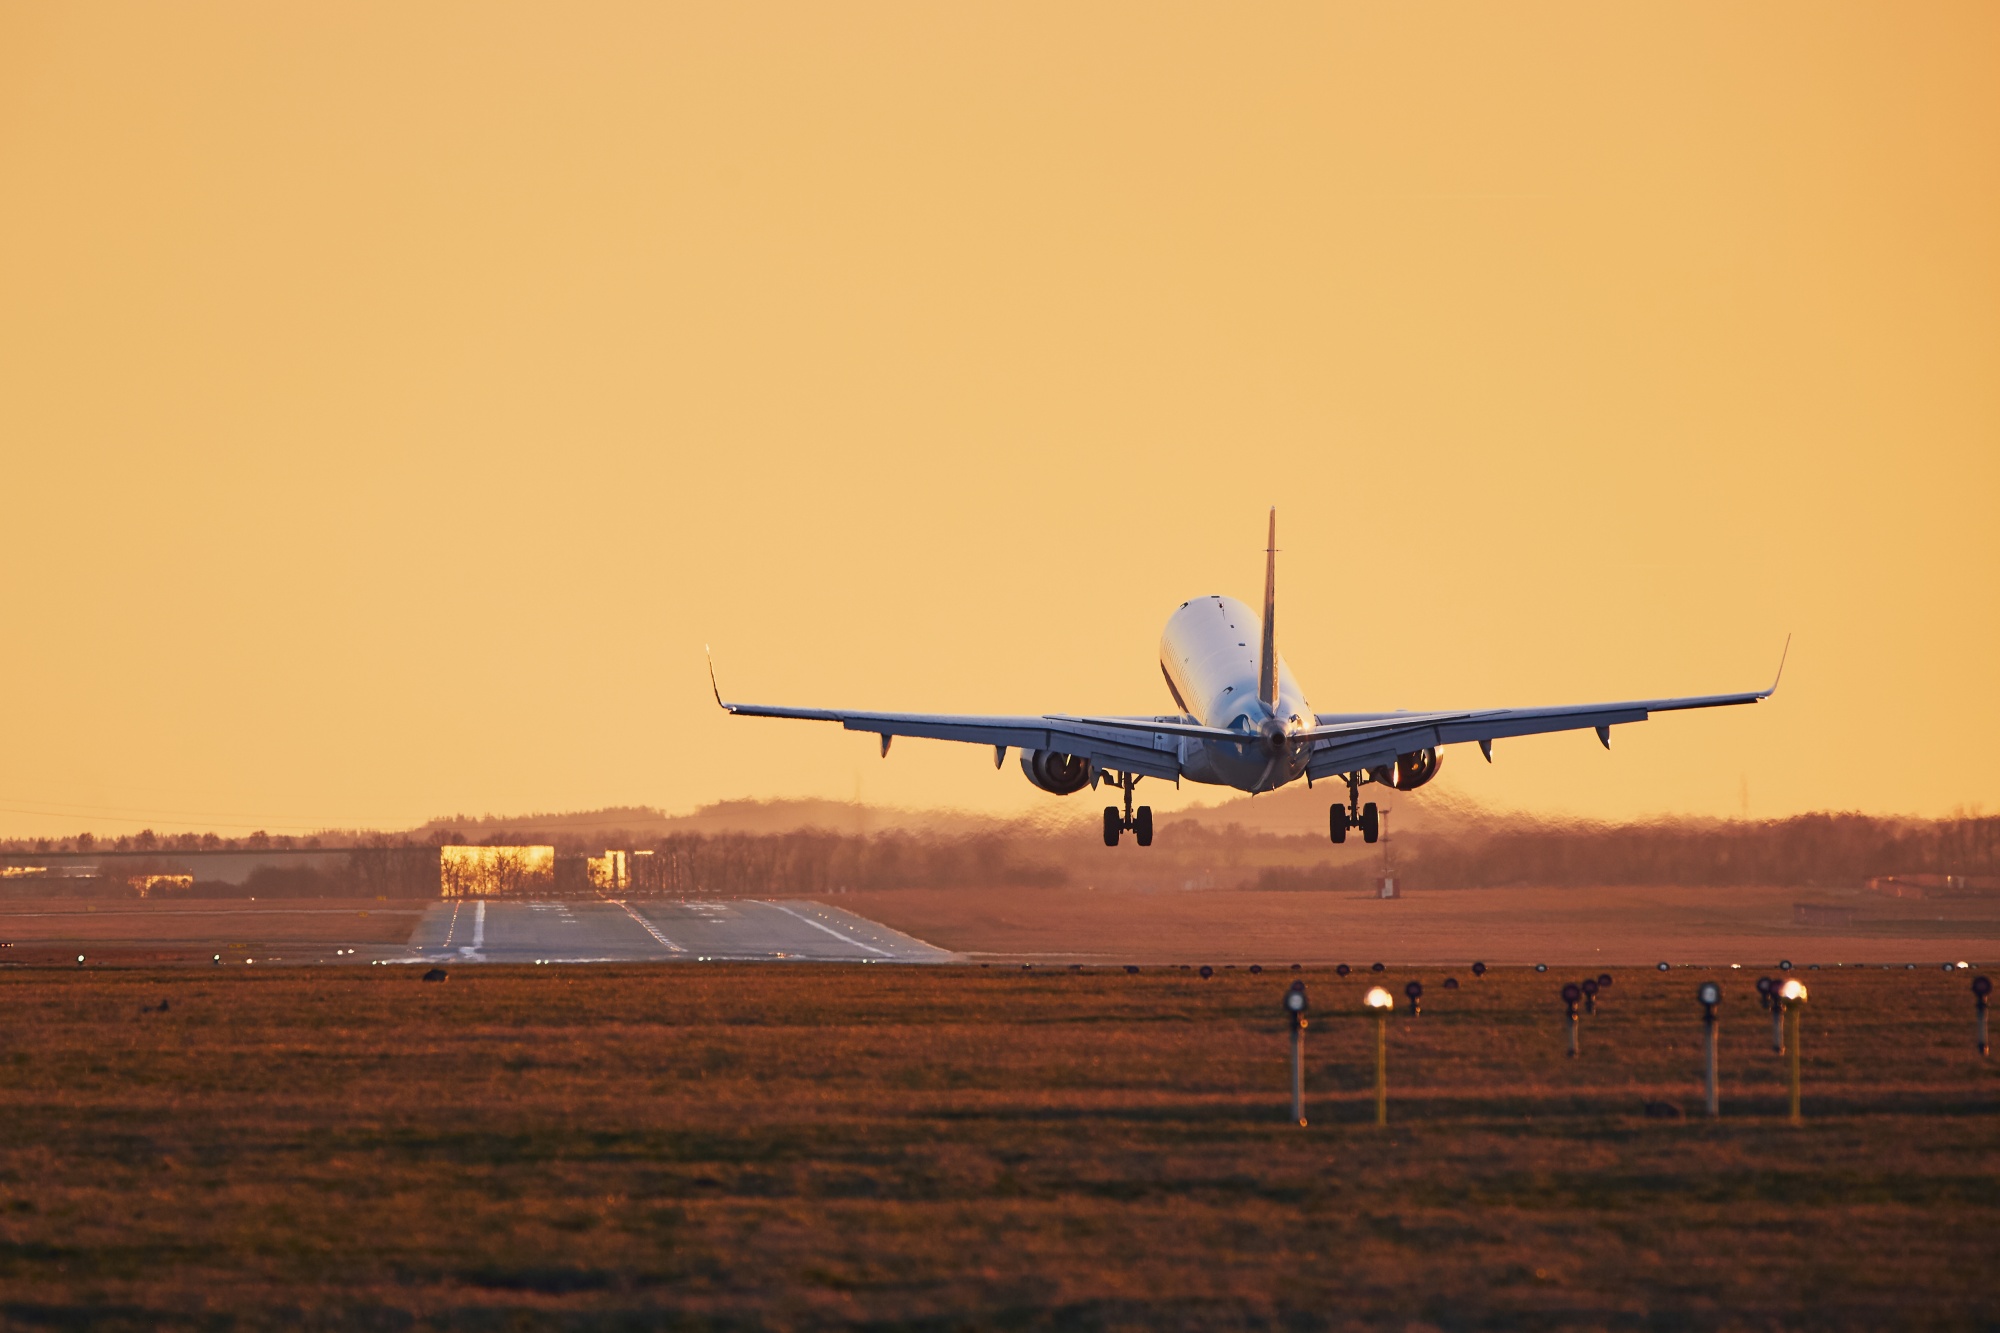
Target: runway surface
x,y
656,931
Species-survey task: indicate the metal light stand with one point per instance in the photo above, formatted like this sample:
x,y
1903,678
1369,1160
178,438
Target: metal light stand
x,y
1792,999
1981,988
1295,1010
1710,995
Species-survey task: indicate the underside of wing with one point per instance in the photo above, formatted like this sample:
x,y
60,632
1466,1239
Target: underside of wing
x,y
1129,745
1351,742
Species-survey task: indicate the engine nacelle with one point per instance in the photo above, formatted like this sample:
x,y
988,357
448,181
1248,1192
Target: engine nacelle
x,y
1054,772
1410,771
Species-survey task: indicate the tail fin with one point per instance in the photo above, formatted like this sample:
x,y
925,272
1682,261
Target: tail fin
x,y
1267,660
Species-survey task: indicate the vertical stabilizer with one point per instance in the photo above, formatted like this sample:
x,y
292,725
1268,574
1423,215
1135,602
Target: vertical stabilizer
x,y
1267,658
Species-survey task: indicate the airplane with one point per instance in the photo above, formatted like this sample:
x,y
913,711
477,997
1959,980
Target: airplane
x,y
1243,722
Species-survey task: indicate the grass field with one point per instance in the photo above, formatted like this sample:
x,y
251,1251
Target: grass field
x,y
938,1148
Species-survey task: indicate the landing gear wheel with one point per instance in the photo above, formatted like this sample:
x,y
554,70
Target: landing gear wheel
x,y
1113,826
1336,823
1142,826
1371,823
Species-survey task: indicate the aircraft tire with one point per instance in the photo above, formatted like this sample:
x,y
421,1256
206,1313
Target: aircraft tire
x,y
1336,823
1142,825
1112,826
1371,823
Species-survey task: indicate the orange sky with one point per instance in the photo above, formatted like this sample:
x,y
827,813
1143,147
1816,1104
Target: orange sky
x,y
394,399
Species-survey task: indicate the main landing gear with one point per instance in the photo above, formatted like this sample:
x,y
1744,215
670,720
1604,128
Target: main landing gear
x,y
1139,821
1354,815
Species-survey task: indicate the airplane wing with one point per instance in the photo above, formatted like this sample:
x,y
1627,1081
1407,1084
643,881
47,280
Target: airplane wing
x,y
1349,742
1124,745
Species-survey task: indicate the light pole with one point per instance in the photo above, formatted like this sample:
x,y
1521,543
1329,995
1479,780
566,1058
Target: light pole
x,y
1415,990
1767,990
1379,1003
1295,1010
1710,995
1792,996
1981,988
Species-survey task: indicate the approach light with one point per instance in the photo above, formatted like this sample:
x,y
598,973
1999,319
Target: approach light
x,y
218,960
1256,969
1541,967
1603,979
1206,971
1298,967
1664,966
79,960
1784,965
1130,970
1982,986
1572,993
1479,969
1710,995
1793,994
1964,966
1947,967
1342,970
1415,990
1451,983
1379,1002
1378,968
1295,1010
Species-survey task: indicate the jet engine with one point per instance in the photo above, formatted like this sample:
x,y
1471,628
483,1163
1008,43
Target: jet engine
x,y
1410,771
1055,772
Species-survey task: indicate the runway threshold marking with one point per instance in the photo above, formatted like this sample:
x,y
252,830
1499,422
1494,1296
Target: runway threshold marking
x,y
649,927
818,925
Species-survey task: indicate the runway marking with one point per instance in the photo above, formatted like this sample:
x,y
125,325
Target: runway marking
x,y
452,927
816,925
649,927
471,950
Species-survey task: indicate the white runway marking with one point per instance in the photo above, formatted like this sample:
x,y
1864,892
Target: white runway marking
x,y
471,950
817,925
650,928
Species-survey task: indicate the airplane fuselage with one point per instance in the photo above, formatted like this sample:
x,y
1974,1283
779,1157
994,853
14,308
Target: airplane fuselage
x,y
1209,652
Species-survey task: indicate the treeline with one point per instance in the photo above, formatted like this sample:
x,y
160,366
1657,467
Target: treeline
x,y
1811,850
815,861
1475,852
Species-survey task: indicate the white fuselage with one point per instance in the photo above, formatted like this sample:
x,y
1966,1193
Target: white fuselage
x,y
1209,652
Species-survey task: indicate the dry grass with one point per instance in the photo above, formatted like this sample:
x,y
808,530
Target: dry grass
x,y
1605,927
804,1147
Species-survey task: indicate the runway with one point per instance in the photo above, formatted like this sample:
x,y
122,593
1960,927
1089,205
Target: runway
x,y
655,931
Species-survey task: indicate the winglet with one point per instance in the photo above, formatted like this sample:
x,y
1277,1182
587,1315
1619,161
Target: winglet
x,y
1267,659
710,653
1787,652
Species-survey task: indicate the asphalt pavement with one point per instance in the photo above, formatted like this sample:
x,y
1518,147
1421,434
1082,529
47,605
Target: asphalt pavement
x,y
655,930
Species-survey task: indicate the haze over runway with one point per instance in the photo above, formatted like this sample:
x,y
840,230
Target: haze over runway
x,y
657,930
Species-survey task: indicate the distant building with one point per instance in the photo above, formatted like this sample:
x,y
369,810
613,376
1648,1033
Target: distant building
x,y
610,872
